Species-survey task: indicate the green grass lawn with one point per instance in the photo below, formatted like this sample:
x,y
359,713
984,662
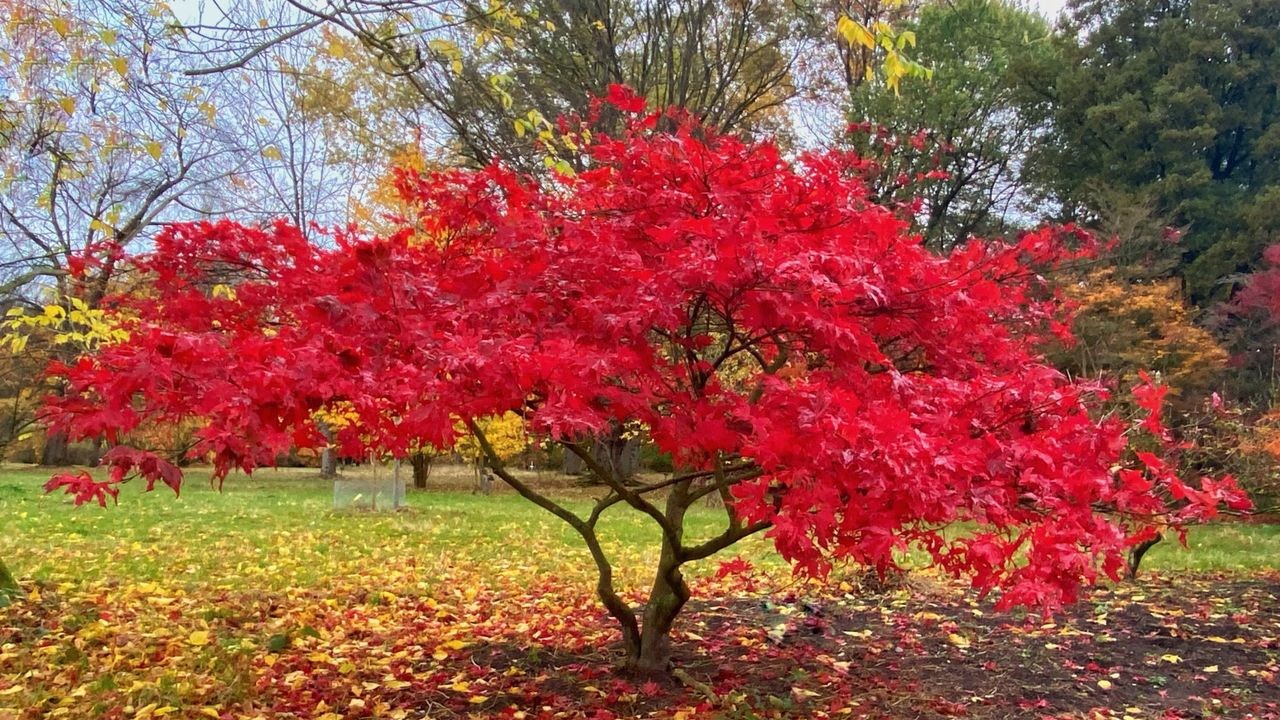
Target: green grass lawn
x,y
278,529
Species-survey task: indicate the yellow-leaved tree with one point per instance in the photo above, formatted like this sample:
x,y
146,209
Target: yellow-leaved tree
x,y
1123,327
506,433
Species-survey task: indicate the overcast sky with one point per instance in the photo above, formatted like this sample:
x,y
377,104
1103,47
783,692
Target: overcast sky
x,y
1048,8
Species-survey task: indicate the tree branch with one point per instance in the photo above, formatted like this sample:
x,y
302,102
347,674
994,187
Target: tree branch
x,y
730,536
630,496
525,491
256,50
616,606
644,489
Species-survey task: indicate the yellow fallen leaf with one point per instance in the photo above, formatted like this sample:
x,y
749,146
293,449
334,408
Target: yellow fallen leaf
x,y
1104,684
198,638
1171,658
958,640
803,692
1211,669
477,699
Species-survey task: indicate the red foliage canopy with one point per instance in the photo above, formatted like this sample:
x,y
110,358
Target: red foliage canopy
x,y
736,303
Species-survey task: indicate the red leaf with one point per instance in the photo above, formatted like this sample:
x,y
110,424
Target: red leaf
x,y
83,487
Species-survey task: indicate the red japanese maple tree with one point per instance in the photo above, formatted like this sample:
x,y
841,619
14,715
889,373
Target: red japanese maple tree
x,y
845,390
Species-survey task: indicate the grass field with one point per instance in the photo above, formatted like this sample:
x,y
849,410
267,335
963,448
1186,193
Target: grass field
x,y
236,535
279,529
231,604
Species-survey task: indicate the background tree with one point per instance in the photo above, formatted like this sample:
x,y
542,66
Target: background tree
x,y
490,78
101,139
506,436
784,337
1122,328
972,124
487,74
1250,324
860,60
1174,104
105,138
289,164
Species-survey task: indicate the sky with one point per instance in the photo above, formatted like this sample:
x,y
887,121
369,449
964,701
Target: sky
x,y
1048,8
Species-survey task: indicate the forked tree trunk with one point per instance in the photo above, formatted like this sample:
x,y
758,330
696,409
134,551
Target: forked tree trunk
x,y
645,639
650,653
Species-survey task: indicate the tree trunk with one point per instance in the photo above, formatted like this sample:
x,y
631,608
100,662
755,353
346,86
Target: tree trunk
x,y
1138,551
421,469
650,654
56,449
572,464
328,456
9,588
620,454
328,463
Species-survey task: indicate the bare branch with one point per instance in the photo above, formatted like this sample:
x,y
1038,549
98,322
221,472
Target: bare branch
x,y
258,49
630,496
730,536
614,603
